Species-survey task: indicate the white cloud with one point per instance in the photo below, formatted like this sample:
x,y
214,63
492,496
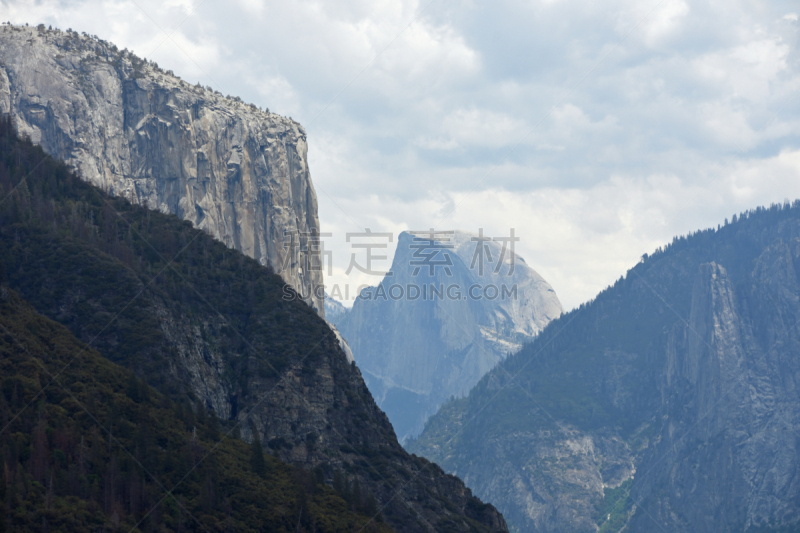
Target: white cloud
x,y
630,121
664,19
580,239
473,127
747,71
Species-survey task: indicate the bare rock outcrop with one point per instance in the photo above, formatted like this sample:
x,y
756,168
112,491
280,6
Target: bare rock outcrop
x,y
126,126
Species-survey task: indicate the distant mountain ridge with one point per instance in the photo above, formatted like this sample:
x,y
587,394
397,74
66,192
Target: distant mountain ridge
x,y
670,402
334,310
417,350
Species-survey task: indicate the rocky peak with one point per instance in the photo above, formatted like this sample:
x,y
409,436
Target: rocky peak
x,y
443,318
134,130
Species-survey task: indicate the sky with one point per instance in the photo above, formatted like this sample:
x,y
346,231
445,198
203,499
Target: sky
x,y
596,130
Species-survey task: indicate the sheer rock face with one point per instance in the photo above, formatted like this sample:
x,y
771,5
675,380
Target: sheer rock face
x,y
735,391
418,350
678,387
234,171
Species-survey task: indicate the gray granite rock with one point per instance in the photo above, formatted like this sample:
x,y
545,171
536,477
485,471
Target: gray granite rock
x,y
416,351
667,403
237,172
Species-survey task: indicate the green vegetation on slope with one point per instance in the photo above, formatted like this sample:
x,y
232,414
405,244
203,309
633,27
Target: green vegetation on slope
x,y
613,513
98,449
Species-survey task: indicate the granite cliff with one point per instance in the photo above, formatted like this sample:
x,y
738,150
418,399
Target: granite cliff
x,y
457,317
136,131
668,403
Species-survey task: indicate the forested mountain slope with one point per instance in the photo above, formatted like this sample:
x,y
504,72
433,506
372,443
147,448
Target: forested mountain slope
x,y
86,446
206,325
670,402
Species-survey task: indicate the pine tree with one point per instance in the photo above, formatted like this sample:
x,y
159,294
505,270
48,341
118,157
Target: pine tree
x,y
257,461
356,494
338,484
370,506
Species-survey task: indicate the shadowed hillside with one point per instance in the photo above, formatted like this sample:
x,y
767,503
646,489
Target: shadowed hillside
x,y
214,330
86,446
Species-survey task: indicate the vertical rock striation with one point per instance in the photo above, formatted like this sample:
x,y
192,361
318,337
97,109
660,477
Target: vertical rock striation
x,y
668,403
133,130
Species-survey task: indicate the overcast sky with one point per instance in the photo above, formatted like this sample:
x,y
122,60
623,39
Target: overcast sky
x,y
598,130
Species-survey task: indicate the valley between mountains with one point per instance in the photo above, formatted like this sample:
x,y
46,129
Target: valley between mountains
x,y
154,375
